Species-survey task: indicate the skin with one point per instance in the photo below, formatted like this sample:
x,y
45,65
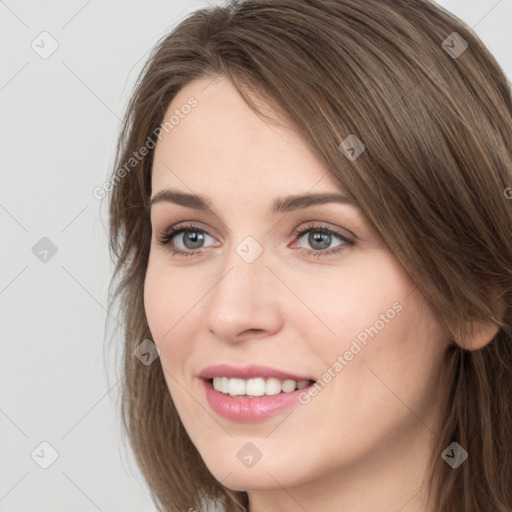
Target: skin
x,y
363,442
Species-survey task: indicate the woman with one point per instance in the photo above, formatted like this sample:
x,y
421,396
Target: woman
x,y
313,242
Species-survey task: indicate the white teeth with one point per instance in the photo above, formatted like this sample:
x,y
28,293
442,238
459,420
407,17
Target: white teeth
x,y
272,386
257,386
236,387
288,385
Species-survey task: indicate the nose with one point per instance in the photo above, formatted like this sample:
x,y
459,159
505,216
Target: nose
x,y
244,302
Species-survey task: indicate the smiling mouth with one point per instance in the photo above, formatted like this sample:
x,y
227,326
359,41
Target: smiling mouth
x,y
256,387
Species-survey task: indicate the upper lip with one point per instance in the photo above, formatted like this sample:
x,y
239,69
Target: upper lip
x,y
248,372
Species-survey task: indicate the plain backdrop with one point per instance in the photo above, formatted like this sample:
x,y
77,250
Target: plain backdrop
x,y
59,120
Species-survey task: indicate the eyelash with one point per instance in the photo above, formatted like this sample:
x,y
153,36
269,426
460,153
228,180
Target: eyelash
x,y
172,232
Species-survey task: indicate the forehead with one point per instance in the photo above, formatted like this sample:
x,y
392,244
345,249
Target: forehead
x,y
221,142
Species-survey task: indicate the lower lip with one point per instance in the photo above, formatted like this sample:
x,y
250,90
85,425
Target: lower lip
x,y
249,409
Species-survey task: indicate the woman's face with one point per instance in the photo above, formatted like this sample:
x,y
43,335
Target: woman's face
x,y
330,305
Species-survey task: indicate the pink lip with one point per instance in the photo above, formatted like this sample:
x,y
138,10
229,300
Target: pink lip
x,y
249,409
248,372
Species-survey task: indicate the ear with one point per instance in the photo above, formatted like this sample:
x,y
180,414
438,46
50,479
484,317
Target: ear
x,y
478,333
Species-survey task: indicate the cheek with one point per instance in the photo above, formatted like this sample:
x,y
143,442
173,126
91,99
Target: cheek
x,y
158,299
168,301
384,331
351,301
398,367
168,293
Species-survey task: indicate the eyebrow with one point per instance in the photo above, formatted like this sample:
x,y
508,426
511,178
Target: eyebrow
x,y
279,204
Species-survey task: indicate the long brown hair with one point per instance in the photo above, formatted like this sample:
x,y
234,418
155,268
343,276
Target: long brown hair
x,y
434,111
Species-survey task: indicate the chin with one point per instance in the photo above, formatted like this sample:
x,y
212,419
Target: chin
x,y
267,473
251,479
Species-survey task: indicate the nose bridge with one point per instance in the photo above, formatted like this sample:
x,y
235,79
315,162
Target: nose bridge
x,y
242,297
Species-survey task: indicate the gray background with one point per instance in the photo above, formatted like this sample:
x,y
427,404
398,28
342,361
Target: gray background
x,y
59,118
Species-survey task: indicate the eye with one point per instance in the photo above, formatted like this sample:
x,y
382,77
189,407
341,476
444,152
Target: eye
x,y
320,239
192,239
